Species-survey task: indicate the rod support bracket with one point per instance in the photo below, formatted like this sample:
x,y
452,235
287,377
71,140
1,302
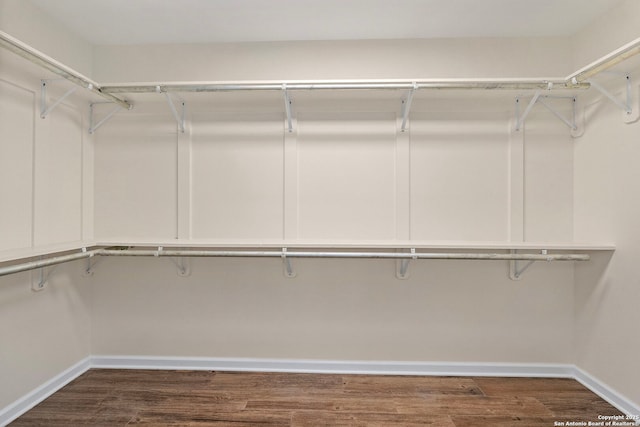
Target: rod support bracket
x,y
44,109
93,127
178,116
287,267
288,108
402,265
630,105
183,266
92,261
539,98
406,106
516,270
40,277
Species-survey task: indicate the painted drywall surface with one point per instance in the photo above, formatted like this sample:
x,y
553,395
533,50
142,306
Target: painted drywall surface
x,y
333,309
606,207
26,22
610,31
377,59
340,171
42,333
341,175
44,197
135,177
346,173
43,160
607,204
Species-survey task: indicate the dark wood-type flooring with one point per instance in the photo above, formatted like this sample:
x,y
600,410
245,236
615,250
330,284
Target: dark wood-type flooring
x,y
102,397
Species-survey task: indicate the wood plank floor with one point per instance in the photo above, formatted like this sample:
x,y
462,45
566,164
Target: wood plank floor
x,y
102,397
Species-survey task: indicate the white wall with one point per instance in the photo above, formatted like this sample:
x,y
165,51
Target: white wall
x,y
333,309
606,203
29,24
43,333
236,174
44,189
345,174
437,58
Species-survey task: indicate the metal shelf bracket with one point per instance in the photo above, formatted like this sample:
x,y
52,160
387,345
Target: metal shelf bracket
x,y
571,122
178,116
516,270
39,278
521,118
406,106
402,265
44,109
287,108
91,263
286,262
182,265
93,127
630,106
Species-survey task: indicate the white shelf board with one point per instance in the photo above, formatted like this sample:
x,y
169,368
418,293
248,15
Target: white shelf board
x,y
361,244
21,253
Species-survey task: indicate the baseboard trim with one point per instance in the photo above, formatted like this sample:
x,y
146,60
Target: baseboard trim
x,y
607,393
22,405
335,367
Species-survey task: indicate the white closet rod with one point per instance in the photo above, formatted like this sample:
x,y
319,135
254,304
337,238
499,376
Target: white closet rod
x,y
47,262
346,254
513,84
576,80
48,63
617,56
33,265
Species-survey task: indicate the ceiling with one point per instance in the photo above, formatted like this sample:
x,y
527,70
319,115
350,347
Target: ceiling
x,y
209,21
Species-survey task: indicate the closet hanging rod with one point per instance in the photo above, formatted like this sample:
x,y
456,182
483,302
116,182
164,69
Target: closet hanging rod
x,y
47,262
369,255
617,56
41,263
489,84
48,63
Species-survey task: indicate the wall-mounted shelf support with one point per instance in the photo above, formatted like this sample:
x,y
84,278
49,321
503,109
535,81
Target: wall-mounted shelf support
x,y
50,64
287,108
182,265
521,118
179,116
288,268
44,110
571,122
406,106
94,127
630,106
91,263
402,266
286,255
40,278
516,270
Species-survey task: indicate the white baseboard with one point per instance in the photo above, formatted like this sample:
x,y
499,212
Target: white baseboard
x,y
607,393
335,366
319,366
39,394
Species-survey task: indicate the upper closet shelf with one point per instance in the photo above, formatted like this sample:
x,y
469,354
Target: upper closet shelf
x,y
402,252
360,244
50,64
577,80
